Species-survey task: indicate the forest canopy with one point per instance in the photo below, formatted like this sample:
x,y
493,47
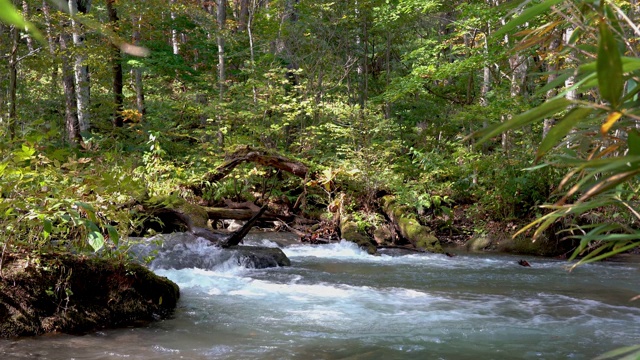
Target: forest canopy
x,y
475,116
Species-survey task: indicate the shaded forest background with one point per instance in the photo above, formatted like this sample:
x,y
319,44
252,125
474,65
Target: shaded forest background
x,y
128,100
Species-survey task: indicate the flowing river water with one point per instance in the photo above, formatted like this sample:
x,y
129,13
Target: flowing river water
x,y
337,302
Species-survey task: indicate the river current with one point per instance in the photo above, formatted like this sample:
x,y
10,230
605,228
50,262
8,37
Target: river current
x,y
337,302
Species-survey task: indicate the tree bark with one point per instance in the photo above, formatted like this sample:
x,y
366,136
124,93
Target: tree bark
x,y
175,44
13,81
408,227
68,85
552,70
257,156
25,13
221,17
51,43
81,70
137,70
116,68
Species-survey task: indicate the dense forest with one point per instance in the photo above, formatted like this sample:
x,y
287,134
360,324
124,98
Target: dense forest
x,y
470,118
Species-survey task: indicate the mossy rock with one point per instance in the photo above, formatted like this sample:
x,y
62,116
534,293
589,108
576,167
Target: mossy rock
x,y
349,231
78,294
478,243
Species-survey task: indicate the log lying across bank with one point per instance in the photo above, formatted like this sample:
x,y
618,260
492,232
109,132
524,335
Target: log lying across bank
x,y
408,226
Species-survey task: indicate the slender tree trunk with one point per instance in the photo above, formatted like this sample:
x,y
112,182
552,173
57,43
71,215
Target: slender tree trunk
x,y
552,70
51,44
13,81
175,44
387,60
25,13
137,71
244,14
116,68
68,85
221,17
81,70
250,15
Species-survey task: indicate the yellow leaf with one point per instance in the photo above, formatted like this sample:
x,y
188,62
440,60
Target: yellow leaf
x,y
611,119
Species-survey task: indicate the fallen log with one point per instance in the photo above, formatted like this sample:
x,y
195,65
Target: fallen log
x,y
174,214
408,226
216,213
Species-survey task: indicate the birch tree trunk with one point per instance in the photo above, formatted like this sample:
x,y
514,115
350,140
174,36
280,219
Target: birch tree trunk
x,y
81,70
25,13
250,15
221,17
175,44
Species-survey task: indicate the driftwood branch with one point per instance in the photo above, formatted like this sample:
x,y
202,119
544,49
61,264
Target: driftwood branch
x,y
256,156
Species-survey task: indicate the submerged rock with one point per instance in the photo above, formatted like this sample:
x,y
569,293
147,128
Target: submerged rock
x,y
78,294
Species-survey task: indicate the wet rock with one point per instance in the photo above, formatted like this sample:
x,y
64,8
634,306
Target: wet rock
x,y
256,257
184,250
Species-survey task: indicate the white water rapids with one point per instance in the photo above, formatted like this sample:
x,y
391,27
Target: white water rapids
x,y
337,302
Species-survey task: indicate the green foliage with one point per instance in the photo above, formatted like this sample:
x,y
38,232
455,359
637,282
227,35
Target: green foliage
x,y
49,201
596,141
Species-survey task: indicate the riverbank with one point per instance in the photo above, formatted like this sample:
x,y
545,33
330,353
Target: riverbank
x,y
45,293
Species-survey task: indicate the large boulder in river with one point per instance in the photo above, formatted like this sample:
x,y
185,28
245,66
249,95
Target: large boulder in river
x,y
77,294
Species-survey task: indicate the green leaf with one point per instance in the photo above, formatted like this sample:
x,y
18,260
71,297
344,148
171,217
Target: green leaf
x,y
538,113
610,81
633,142
561,129
95,240
11,16
620,351
47,229
113,234
526,16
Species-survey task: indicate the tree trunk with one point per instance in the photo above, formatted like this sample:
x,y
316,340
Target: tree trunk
x,y
116,68
68,85
250,15
243,14
137,70
175,44
81,70
25,13
13,81
221,17
51,43
552,70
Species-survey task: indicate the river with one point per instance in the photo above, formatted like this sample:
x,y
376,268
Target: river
x,y
337,302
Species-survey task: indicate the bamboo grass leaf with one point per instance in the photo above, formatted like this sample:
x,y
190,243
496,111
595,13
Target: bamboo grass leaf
x,y
610,81
547,109
561,129
526,16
